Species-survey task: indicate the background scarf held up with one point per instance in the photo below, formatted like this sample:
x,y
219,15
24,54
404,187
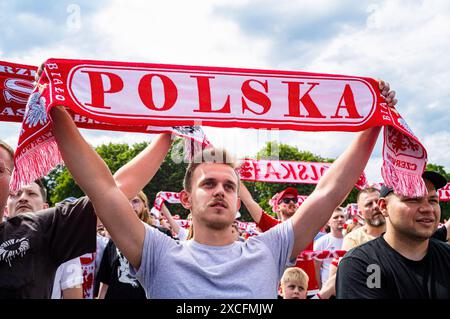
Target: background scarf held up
x,y
122,96
274,171
21,97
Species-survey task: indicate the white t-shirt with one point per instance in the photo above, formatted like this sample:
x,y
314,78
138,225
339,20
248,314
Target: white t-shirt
x,y
88,266
327,242
241,270
68,275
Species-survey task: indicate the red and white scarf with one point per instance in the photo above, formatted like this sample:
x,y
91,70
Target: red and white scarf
x,y
287,172
444,193
161,197
36,140
320,254
133,96
16,85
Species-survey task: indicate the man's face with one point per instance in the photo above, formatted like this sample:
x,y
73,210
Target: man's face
x,y
288,205
413,217
294,290
337,220
213,199
27,199
370,211
6,167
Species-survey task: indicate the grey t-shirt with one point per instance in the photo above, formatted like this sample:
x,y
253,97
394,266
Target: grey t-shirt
x,y
187,269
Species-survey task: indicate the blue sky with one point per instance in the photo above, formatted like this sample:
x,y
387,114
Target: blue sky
x,y
404,42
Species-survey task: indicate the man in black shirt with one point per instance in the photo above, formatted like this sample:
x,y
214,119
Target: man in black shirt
x,y
34,244
405,262
114,274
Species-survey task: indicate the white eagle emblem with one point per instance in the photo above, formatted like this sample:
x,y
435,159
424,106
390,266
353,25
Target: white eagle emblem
x,y
36,110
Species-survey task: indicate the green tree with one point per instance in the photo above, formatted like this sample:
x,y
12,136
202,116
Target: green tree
x,y
169,177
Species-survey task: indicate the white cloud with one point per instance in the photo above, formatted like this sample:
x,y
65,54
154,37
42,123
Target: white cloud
x,y
438,148
177,32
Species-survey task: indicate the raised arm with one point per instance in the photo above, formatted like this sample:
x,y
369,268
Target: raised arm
x,y
337,182
133,176
95,179
332,189
165,211
253,207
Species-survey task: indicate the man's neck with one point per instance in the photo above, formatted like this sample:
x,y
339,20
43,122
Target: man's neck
x,y
336,233
411,248
285,217
213,237
375,231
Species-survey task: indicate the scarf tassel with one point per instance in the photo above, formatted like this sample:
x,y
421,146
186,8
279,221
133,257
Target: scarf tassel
x,y
405,184
36,163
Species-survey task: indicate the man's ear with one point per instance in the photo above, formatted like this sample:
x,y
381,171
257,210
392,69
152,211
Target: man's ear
x,y
382,203
238,204
185,199
46,205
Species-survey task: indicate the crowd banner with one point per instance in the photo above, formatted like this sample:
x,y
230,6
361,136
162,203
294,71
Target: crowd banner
x,y
16,85
320,254
444,193
161,197
183,223
142,94
351,209
273,171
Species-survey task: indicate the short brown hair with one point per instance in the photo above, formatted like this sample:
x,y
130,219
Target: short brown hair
x,y
366,191
8,149
208,155
42,189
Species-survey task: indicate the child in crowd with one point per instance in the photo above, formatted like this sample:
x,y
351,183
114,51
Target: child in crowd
x,y
294,284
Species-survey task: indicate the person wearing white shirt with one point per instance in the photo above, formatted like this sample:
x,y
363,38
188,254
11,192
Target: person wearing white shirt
x,y
331,241
68,282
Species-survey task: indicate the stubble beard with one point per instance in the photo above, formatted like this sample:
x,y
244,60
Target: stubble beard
x,y
376,222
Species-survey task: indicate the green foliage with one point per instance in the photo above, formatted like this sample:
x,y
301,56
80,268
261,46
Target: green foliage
x,y
169,178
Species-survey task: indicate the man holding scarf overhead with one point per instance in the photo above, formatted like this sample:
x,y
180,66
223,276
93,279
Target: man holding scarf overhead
x,y
212,265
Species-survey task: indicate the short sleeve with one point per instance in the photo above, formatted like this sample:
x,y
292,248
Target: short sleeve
x,y
70,229
266,222
155,246
280,241
72,274
348,243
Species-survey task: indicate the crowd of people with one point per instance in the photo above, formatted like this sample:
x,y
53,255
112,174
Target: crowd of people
x,y
108,245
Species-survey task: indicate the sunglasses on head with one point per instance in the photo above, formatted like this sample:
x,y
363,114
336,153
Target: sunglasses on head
x,y
288,200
